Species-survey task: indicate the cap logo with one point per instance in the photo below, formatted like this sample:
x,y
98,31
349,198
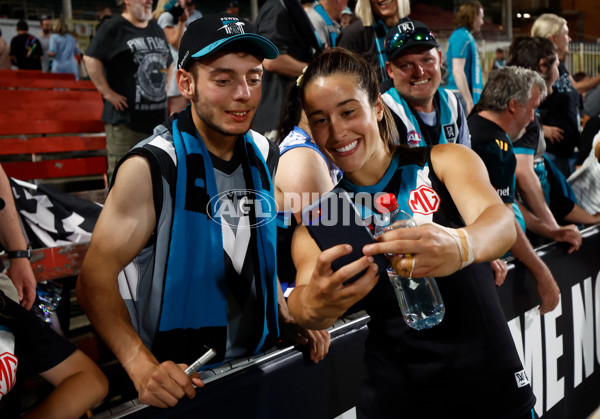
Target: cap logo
x,y
233,27
406,27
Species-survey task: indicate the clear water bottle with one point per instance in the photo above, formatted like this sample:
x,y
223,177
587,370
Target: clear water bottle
x,y
420,300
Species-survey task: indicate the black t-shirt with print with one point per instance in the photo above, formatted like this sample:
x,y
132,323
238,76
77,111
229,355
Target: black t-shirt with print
x,y
136,62
28,52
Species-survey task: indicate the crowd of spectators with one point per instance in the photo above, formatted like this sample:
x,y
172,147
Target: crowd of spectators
x,y
196,104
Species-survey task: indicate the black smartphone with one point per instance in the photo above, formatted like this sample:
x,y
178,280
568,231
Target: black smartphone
x,y
333,219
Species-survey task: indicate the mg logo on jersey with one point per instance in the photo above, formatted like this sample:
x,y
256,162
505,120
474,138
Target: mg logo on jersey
x,y
8,372
424,200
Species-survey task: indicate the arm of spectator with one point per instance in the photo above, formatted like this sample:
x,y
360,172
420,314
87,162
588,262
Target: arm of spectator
x,y
301,177
531,191
587,84
52,47
77,375
580,216
546,285
95,69
500,269
460,78
175,33
566,234
124,227
538,217
12,238
285,65
554,134
317,340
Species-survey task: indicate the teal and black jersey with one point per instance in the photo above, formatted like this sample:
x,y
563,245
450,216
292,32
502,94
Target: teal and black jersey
x,y
494,147
469,361
175,327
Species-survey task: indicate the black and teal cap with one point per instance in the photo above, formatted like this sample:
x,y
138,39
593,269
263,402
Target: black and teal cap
x,y
407,34
211,33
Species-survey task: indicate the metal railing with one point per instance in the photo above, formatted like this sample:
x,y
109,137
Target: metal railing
x,y
584,56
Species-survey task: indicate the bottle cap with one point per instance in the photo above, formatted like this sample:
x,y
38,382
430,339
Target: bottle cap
x,y
386,203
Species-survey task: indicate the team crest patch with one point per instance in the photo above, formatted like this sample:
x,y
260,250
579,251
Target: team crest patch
x,y
451,132
406,27
424,200
232,27
521,378
413,138
8,372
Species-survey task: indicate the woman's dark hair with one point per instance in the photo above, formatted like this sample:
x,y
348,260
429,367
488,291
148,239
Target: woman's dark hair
x,y
341,61
291,113
528,51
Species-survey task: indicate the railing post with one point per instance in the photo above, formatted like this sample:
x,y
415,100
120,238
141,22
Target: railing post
x,y
581,52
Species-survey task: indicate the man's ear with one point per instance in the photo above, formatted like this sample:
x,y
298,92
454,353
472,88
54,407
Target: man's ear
x,y
512,106
185,83
388,68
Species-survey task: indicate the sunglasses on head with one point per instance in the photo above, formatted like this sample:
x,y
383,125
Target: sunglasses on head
x,y
401,38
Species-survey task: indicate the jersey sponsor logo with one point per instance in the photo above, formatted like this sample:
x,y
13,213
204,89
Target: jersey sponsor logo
x,y
502,144
503,192
413,138
424,200
451,132
8,372
521,378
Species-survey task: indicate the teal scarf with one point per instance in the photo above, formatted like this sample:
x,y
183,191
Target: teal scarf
x,y
446,119
195,287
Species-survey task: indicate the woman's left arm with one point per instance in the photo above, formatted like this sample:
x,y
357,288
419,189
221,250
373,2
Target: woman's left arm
x,y
490,224
433,250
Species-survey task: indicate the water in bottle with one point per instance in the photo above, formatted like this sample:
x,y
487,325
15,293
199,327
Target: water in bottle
x,y
420,300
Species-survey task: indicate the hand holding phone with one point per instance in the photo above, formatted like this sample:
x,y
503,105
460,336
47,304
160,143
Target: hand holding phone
x,y
332,220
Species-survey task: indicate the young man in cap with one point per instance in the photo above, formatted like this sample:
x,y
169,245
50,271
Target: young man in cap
x,y
187,233
425,113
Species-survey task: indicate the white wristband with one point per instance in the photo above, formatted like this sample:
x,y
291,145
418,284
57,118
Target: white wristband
x,y
463,241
